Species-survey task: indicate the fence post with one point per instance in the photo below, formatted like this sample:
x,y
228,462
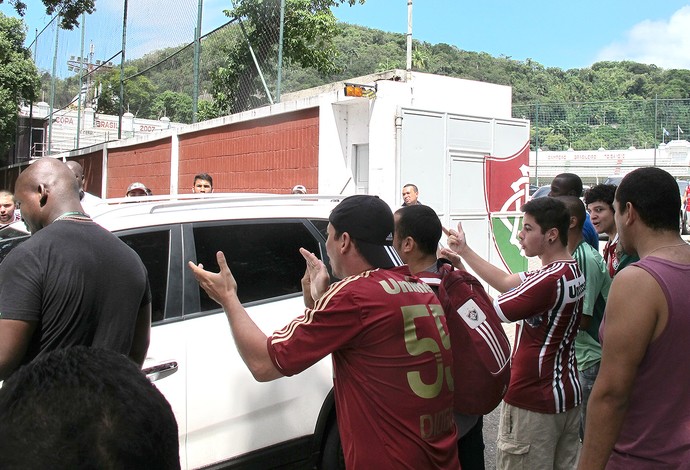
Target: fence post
x,y
197,59
280,50
536,144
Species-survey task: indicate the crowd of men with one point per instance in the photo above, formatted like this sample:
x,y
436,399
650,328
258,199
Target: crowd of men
x,y
597,369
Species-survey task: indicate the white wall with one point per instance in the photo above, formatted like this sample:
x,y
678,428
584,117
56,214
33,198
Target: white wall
x,y
345,122
461,96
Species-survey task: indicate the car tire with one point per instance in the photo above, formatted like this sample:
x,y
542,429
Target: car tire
x,y
332,455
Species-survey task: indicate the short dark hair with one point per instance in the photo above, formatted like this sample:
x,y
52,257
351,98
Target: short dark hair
x,y
601,192
414,186
549,213
654,194
575,208
572,181
422,224
205,177
79,408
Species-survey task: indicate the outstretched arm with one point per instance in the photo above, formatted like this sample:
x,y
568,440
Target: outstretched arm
x,y
496,277
249,339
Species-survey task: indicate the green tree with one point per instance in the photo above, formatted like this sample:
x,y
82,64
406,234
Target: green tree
x,y
309,29
139,93
176,106
70,10
18,77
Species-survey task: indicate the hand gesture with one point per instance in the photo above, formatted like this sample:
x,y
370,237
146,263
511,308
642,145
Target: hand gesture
x,y
456,239
453,257
316,278
220,286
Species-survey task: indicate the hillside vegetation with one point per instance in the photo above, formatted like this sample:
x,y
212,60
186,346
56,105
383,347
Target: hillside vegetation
x,y
166,88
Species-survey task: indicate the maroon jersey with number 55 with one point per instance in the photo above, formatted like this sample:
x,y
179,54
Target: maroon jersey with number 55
x,y
392,368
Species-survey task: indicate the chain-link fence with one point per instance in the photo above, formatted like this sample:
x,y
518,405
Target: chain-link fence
x,y
170,68
175,62
609,125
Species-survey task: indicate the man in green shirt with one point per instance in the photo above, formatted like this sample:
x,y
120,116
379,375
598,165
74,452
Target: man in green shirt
x,y
597,281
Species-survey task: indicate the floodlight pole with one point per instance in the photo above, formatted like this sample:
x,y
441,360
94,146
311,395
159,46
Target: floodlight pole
x,y
280,50
52,85
81,84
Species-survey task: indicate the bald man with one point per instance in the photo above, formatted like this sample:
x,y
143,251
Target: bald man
x,y
72,282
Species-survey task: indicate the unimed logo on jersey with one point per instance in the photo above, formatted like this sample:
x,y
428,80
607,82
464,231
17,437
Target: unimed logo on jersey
x,y
507,189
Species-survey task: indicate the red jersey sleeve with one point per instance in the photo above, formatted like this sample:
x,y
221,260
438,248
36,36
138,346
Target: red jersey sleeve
x,y
533,296
332,323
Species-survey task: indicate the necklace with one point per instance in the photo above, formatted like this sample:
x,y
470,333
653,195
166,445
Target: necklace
x,y
77,215
666,246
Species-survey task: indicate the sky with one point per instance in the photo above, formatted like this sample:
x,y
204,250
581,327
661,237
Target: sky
x,y
572,34
553,33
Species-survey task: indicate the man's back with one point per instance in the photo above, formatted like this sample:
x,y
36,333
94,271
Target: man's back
x,y
655,430
392,366
79,283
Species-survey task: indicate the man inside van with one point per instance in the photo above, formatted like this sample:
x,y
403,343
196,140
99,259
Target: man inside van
x,y
387,335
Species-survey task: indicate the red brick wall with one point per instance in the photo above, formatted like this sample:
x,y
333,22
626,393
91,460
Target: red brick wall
x,y
270,154
92,163
148,163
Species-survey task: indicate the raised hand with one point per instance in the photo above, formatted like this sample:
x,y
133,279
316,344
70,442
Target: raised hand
x,y
456,239
316,277
220,286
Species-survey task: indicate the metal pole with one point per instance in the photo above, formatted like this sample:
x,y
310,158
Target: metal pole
x,y
409,37
280,50
656,119
52,86
81,63
256,62
197,59
35,44
122,71
536,146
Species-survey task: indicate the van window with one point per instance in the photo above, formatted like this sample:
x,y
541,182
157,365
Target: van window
x,y
153,249
264,257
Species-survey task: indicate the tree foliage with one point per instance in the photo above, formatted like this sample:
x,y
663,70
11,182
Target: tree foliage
x,y
18,77
318,50
309,30
70,10
139,93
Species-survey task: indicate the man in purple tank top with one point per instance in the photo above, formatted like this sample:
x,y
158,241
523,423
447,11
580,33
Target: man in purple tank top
x,y
639,410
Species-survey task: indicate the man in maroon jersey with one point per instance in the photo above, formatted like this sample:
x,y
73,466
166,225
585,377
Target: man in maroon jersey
x,y
387,334
540,416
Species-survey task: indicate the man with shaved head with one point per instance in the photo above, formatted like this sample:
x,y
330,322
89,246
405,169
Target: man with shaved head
x,y
73,282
